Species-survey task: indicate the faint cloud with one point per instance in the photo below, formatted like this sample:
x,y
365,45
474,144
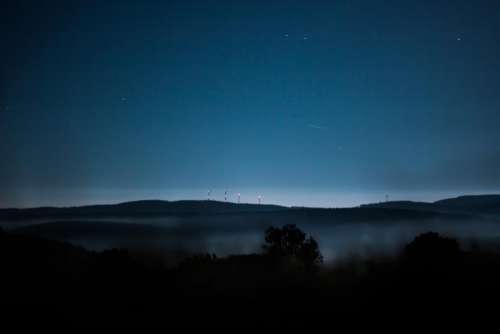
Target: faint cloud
x,y
315,126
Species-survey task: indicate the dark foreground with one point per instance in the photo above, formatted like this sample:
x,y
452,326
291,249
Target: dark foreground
x,y
60,283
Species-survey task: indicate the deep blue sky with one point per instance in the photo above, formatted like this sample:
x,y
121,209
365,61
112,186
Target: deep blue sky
x,y
304,102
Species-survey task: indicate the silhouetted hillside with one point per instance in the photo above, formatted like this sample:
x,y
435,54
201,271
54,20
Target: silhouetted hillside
x,y
403,205
474,205
487,204
192,226
147,208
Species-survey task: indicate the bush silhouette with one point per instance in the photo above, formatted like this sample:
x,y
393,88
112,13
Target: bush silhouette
x,y
432,254
290,243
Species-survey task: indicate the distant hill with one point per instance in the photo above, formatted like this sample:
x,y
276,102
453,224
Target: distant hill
x,y
477,204
472,204
224,227
146,208
212,213
403,205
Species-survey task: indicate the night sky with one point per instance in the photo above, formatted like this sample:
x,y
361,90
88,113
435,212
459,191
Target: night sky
x,y
323,103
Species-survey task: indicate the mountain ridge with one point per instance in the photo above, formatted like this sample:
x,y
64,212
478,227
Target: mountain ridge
x,y
484,204
149,208
467,204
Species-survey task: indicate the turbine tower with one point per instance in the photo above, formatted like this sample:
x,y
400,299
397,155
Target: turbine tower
x,y
225,196
260,199
209,195
239,197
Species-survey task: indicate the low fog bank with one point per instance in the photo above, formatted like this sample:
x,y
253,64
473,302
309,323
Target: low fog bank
x,y
168,240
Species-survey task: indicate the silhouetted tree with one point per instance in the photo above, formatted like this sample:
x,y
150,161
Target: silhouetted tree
x,y
310,253
290,242
433,254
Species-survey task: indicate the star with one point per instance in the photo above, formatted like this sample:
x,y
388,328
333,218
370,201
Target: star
x,y
459,39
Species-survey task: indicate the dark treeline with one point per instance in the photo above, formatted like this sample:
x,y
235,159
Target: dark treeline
x,y
287,275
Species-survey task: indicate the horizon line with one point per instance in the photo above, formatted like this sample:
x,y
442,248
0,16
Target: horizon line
x,y
236,203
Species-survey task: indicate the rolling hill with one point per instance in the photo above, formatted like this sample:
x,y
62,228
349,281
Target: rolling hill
x,y
146,208
472,204
227,228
